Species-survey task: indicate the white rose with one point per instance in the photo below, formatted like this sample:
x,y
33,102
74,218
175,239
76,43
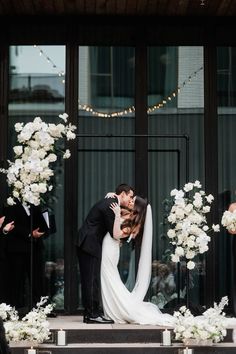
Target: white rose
x,y
206,209
180,239
173,192
64,116
194,229
34,187
190,243
188,208
210,198
44,163
174,258
203,249
179,213
190,265
216,228
18,127
197,202
67,154
33,144
10,201
190,254
197,184
171,233
42,153
179,251
56,130
70,135
172,218
188,187
18,150
42,187
52,157
18,185
15,194
179,194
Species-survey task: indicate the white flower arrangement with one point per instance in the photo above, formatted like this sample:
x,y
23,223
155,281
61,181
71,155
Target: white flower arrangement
x,y
188,231
7,312
30,173
33,327
210,326
229,220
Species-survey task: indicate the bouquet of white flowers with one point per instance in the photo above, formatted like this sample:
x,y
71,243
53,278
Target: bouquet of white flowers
x,y
229,220
188,231
210,326
30,173
33,327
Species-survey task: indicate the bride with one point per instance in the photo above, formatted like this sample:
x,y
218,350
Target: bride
x,y
120,304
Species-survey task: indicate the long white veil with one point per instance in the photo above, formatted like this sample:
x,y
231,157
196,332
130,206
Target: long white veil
x,y
145,261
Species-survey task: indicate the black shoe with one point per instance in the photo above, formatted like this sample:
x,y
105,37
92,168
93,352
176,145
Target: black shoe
x,y
98,320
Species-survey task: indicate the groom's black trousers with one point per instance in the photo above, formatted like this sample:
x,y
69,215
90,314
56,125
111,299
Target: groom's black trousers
x,y
90,282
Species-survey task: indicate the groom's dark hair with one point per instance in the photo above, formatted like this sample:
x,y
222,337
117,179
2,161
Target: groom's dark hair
x,y
123,187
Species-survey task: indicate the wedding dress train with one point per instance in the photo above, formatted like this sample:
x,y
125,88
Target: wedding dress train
x,y
119,303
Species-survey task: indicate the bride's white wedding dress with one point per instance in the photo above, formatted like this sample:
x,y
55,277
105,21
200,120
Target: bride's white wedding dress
x,y
118,302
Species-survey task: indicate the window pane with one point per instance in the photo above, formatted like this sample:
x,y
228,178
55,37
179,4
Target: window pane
x,y
37,89
106,92
175,107
226,65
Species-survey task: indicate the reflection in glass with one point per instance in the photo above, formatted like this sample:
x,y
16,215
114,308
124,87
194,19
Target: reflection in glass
x,y
175,107
37,89
226,94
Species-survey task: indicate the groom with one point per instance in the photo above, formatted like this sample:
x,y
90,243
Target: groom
x,y
89,239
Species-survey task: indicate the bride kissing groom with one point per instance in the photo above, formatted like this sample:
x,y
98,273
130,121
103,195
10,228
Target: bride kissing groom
x,y
98,223
98,248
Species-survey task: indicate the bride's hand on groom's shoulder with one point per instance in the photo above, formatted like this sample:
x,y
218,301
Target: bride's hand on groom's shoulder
x,y
110,195
115,208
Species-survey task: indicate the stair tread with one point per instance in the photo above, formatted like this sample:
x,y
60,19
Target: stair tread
x,y
122,345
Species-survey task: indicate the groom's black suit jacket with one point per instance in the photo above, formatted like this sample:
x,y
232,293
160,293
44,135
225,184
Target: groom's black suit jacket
x,y
98,222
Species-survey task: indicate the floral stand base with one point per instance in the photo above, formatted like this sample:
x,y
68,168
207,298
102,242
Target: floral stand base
x,y
196,342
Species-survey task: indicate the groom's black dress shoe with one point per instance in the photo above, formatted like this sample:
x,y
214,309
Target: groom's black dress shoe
x,y
98,320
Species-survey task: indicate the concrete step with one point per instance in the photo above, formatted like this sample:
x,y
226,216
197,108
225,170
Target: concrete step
x,y
125,348
115,338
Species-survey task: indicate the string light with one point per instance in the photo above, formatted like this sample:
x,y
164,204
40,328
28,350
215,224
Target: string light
x,y
60,73
128,110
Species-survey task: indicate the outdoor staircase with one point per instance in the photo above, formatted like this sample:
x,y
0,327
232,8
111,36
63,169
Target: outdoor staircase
x,y
109,339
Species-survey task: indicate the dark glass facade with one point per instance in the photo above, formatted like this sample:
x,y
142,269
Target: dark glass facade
x,y
153,110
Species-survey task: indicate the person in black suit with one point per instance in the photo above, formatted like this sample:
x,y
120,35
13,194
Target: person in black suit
x,y
4,348
7,228
89,239
3,231
18,244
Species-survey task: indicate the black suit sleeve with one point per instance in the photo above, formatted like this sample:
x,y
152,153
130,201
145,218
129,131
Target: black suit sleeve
x,y
109,215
